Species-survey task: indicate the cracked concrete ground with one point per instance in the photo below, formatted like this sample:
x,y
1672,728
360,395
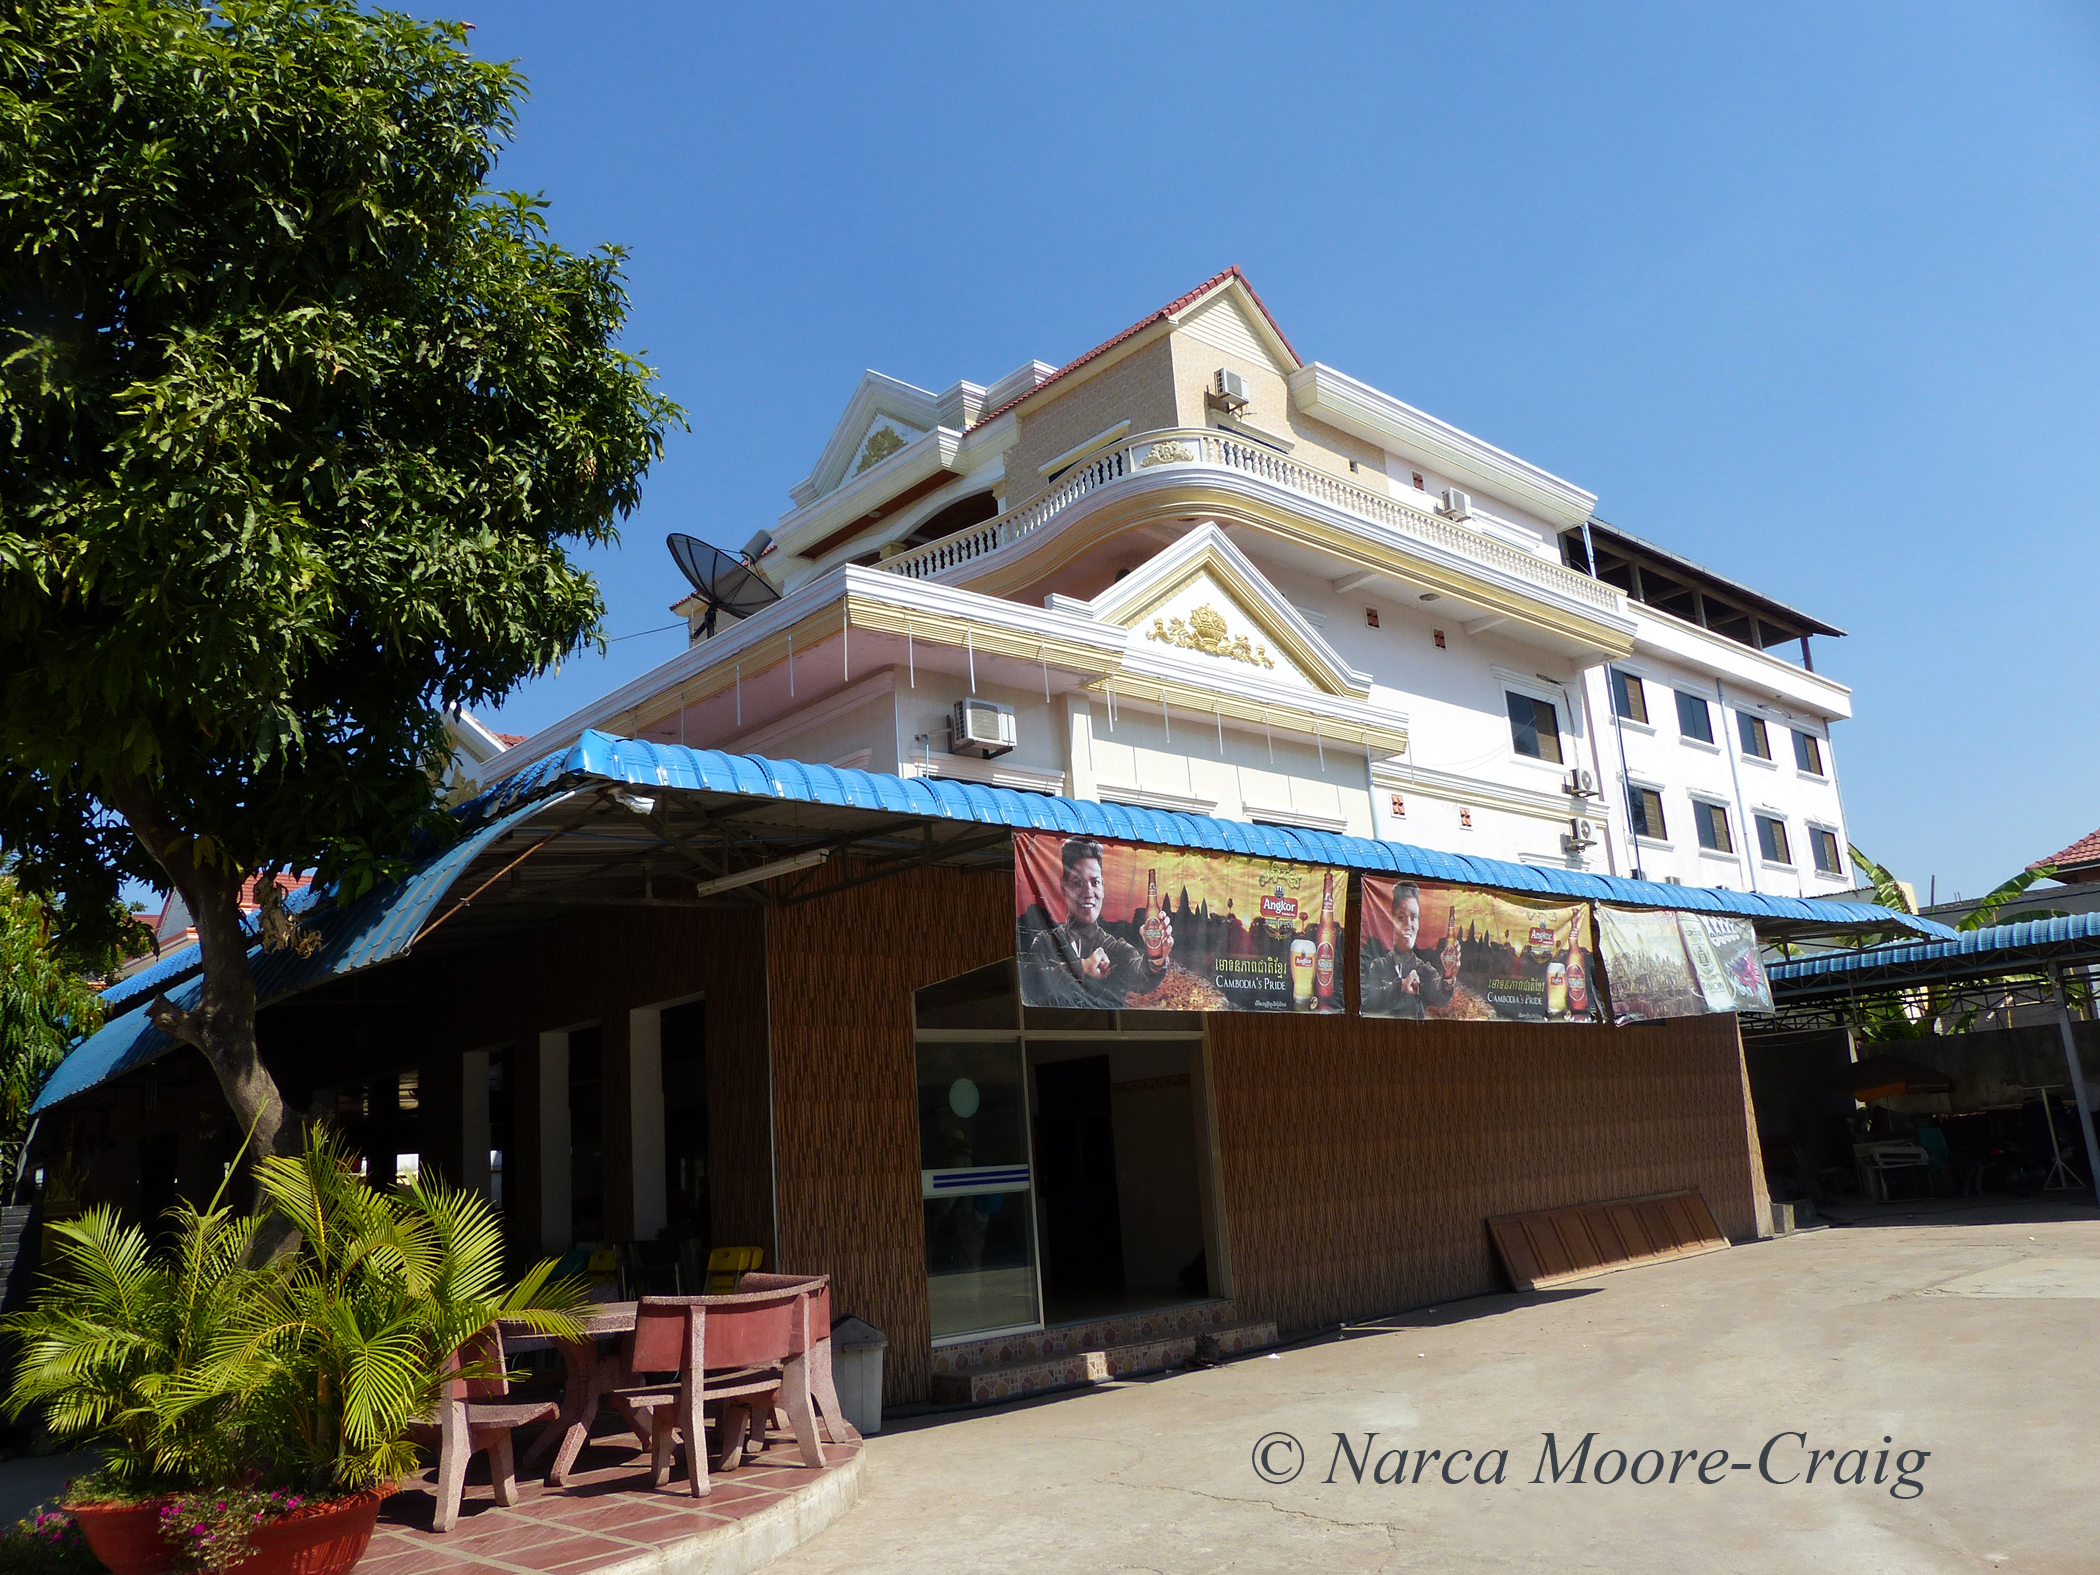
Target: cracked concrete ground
x,y
1844,1334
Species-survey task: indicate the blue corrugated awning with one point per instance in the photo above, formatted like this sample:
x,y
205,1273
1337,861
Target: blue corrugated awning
x,y
375,928
603,757
2002,945
383,924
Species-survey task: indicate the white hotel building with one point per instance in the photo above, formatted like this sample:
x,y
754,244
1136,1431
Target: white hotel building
x,y
1207,575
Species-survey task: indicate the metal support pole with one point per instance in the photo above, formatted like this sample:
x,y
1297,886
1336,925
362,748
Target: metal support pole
x,y
2085,1105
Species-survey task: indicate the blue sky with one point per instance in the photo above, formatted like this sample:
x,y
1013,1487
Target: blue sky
x,y
1804,293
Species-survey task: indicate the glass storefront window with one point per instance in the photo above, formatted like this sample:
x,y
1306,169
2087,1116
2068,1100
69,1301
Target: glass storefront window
x,y
976,1185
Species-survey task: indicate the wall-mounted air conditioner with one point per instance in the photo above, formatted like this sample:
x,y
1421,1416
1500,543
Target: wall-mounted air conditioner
x,y
982,728
1579,835
1229,390
1579,784
1457,505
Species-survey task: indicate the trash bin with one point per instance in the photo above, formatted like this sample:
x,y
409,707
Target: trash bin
x,y
856,1370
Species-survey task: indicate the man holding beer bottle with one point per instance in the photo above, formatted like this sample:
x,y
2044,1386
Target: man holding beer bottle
x,y
1079,961
1405,982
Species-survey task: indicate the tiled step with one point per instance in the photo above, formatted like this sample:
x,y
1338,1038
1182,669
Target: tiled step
x,y
1035,1374
1070,1339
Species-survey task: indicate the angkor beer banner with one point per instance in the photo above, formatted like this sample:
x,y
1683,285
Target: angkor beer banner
x,y
1663,962
1114,924
1456,952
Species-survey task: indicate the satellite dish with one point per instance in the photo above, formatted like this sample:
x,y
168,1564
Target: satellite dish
x,y
724,583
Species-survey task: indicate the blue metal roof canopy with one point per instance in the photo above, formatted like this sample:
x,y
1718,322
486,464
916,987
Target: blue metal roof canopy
x,y
385,924
603,758
2072,941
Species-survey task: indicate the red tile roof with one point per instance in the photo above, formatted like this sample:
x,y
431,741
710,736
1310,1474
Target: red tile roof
x,y
2086,850
510,740
1139,327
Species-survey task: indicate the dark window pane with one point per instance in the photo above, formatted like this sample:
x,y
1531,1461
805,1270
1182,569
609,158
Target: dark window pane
x,y
1808,753
1752,729
1713,827
1523,729
1647,807
1825,845
1628,697
1693,718
1771,840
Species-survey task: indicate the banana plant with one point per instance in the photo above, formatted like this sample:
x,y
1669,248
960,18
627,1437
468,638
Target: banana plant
x,y
1913,1014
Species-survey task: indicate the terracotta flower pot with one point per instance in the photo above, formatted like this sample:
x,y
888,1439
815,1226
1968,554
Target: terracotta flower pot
x,y
126,1537
322,1539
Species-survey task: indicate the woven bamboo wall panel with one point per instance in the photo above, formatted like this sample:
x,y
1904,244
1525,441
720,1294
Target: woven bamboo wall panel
x,y
845,1088
1361,1158
1559,1245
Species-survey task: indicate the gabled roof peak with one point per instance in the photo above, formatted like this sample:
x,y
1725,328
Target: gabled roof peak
x,y
1230,278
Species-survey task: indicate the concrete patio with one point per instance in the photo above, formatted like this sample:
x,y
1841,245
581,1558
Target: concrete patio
x,y
1952,1327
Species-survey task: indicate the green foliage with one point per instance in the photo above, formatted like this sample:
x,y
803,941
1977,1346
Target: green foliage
x,y
48,1544
47,999
297,420
196,1370
341,1349
115,1349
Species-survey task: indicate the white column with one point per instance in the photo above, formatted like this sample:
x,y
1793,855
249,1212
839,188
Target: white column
x,y
554,1141
474,1121
645,1117
1079,748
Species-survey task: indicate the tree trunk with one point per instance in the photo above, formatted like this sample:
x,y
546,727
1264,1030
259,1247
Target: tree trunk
x,y
222,1024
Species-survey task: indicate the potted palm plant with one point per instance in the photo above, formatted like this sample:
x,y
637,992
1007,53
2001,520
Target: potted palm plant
x,y
253,1417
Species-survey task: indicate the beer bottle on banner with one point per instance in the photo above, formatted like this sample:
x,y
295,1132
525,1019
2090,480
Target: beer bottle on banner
x,y
1578,973
1323,978
1155,930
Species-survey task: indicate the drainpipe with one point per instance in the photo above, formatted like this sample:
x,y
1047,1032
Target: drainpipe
x,y
1742,811
1633,841
2071,1062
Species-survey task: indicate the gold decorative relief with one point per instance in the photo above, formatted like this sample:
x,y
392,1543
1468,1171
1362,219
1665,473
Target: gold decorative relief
x,y
880,447
1205,631
1170,452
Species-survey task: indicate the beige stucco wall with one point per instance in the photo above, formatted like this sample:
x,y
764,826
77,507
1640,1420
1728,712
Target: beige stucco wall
x,y
1196,364
1139,389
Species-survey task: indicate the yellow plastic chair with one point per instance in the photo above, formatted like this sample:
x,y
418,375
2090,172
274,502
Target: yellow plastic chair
x,y
725,1264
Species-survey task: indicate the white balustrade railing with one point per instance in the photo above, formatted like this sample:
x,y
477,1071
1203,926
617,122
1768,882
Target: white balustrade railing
x,y
1198,447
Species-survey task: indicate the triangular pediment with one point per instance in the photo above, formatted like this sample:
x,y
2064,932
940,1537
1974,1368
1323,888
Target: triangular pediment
x,y
1228,320
1203,605
884,416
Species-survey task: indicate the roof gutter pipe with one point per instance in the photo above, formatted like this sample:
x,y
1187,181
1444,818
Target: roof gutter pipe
x,y
1618,727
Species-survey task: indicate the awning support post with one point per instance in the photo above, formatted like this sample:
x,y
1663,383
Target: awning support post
x,y
2085,1105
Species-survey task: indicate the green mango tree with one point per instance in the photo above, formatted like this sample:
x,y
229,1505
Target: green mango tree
x,y
298,420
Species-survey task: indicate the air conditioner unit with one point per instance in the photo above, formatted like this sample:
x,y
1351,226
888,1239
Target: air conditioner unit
x,y
1231,390
1580,784
982,728
1673,880
1457,505
1579,835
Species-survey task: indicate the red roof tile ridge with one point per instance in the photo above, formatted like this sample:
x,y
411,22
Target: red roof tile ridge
x,y
1138,327
2084,851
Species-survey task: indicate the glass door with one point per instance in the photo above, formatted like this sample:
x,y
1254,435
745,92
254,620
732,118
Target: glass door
x,y
976,1185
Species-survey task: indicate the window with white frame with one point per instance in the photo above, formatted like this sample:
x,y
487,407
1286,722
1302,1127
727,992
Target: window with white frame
x,y
1645,806
1695,719
1534,726
1823,848
1771,840
1757,742
1628,697
1711,820
1808,752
